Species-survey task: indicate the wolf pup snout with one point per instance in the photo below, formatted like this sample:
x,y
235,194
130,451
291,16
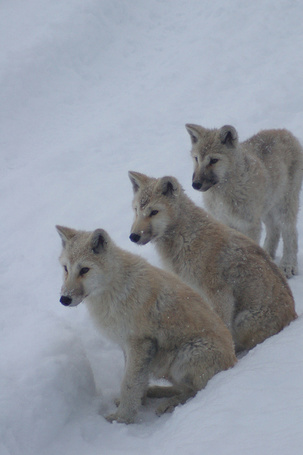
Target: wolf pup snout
x,y
197,185
134,237
65,300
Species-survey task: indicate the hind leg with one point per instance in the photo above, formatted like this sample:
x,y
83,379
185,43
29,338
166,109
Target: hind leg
x,y
181,397
156,392
195,363
250,329
244,332
162,391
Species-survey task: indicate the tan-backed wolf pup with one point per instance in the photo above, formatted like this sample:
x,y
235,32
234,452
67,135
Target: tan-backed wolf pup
x,y
164,328
249,182
236,276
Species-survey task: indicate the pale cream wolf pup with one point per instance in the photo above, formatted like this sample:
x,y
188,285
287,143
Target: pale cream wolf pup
x,y
249,182
164,328
236,276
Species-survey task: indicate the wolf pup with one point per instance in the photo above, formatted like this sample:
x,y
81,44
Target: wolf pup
x,y
232,272
164,328
249,182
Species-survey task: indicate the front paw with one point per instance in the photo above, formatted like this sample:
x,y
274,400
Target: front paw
x,y
112,417
120,418
289,270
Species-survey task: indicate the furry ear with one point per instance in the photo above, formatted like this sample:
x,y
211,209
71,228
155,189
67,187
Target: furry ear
x,y
99,240
194,132
66,234
168,185
229,136
137,179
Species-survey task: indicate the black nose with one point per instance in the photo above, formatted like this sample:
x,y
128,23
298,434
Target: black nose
x,y
65,300
197,185
134,237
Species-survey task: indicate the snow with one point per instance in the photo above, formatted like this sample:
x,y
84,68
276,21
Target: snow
x,y
90,90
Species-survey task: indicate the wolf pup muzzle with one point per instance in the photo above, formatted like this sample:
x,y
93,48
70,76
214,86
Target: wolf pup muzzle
x,y
134,237
65,300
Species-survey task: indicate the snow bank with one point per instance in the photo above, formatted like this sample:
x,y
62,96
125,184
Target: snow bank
x,y
47,379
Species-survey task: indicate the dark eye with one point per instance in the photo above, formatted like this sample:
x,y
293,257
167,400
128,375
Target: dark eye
x,y
65,268
83,271
196,158
213,161
153,212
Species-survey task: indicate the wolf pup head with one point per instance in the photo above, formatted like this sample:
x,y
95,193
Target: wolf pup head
x,y
84,259
211,152
154,205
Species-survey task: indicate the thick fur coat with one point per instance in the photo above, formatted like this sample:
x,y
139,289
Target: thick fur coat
x,y
247,183
164,328
232,272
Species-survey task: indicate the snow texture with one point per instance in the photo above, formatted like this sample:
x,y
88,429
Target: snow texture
x,y
90,90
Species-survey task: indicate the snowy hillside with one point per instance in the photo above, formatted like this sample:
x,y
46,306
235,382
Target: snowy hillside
x,y
89,90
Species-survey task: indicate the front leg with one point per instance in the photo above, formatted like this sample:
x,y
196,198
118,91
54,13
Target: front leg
x,y
139,355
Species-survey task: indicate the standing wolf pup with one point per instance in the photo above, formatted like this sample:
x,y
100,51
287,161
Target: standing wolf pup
x,y
237,277
164,328
249,182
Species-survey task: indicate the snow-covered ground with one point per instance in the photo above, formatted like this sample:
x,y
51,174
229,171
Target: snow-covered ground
x,y
89,90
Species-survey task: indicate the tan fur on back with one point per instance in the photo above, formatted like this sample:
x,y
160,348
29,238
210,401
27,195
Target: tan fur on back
x,y
232,272
249,182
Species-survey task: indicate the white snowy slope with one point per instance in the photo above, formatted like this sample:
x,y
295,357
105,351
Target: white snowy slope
x,y
89,90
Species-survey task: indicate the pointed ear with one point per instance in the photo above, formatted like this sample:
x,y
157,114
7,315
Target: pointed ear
x,y
229,136
99,240
168,186
194,132
137,180
66,234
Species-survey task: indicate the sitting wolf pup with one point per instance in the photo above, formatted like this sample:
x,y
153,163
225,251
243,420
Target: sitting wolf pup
x,y
164,328
252,181
236,276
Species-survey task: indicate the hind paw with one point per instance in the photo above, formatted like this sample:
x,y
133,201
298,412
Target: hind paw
x,y
165,407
